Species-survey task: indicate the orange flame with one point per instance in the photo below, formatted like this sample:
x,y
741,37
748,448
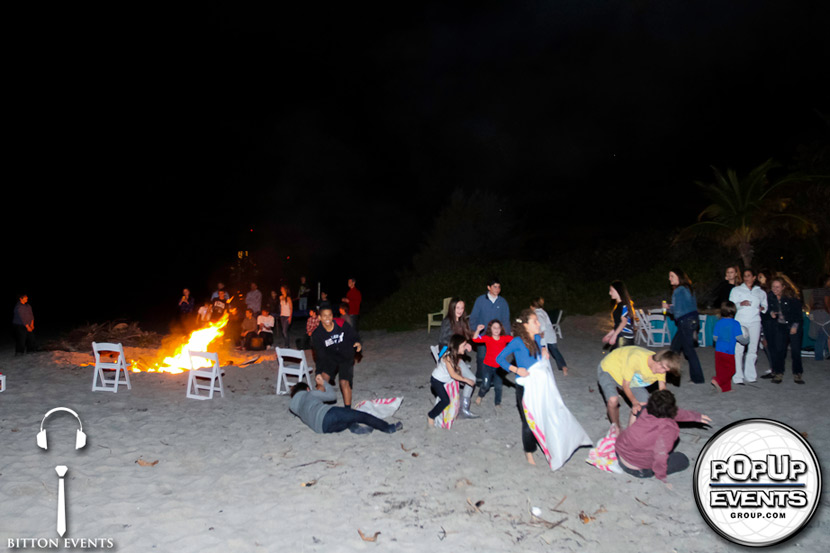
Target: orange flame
x,y
199,340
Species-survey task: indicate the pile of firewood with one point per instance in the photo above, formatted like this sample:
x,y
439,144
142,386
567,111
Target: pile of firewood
x,y
124,333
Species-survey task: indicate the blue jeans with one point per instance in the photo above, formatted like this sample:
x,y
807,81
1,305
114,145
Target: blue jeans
x,y
490,377
481,352
284,324
339,419
557,356
684,340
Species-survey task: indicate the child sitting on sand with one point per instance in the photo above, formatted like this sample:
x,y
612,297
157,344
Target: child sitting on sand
x,y
447,371
495,341
727,332
644,449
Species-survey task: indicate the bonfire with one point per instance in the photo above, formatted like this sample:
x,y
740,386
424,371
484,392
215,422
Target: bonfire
x,y
179,361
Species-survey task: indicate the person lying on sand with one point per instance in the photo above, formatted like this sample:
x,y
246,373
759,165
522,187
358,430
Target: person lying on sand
x,y
310,406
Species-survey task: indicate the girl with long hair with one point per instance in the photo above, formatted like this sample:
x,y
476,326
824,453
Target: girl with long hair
x,y
683,308
623,317
544,404
445,372
286,313
457,322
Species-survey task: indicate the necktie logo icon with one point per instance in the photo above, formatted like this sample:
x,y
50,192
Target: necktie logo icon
x,y
80,442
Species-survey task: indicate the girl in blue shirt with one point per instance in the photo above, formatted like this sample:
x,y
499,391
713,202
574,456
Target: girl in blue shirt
x,y
684,310
526,349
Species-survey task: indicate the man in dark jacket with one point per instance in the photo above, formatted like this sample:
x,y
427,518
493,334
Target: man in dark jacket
x,y
335,343
24,326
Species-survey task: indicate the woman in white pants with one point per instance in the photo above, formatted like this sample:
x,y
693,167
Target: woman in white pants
x,y
751,301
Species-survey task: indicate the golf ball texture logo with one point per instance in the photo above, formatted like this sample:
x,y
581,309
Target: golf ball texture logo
x,y
757,482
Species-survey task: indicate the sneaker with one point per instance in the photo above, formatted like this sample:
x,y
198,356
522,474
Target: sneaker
x,y
798,379
767,375
777,379
356,428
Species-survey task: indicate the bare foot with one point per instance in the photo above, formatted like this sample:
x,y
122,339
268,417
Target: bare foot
x,y
478,400
530,458
565,371
430,423
717,386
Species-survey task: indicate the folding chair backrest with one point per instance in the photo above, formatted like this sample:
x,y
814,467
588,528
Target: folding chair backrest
x,y
292,362
199,373
98,347
100,380
212,357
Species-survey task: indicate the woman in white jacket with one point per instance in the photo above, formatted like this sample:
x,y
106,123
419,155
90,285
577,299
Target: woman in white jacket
x,y
751,301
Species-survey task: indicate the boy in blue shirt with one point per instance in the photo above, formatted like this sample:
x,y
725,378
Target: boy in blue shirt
x,y
727,332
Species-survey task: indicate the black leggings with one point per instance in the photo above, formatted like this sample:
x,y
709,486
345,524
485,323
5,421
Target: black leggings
x,y
339,419
528,439
443,397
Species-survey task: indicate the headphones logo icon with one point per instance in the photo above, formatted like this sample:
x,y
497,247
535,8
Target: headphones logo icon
x,y
80,437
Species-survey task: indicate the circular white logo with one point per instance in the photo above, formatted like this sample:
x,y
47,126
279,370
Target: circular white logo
x,y
757,482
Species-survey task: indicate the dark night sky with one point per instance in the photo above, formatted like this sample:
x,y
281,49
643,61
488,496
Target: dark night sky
x,y
168,135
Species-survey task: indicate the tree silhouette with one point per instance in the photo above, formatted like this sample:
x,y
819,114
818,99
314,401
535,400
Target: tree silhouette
x,y
742,210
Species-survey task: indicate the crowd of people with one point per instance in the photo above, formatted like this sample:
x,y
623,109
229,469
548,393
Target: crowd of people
x,y
759,309
756,310
257,322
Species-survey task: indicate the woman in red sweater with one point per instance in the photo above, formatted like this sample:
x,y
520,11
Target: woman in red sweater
x,y
644,449
495,340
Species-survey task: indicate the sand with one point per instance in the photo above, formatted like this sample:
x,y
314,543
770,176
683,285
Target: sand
x,y
240,473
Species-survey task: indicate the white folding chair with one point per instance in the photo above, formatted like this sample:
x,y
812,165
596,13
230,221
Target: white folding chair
x,y
100,382
198,375
292,362
658,336
557,327
641,327
431,321
434,350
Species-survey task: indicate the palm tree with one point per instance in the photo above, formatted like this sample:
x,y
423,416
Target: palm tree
x,y
745,209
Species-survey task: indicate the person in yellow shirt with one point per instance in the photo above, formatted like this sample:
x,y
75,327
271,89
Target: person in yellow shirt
x,y
632,369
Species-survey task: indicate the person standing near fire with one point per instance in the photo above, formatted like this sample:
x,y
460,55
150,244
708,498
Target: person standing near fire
x,y
334,347
253,299
354,299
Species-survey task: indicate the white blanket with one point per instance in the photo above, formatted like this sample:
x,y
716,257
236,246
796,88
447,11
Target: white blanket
x,y
381,408
559,434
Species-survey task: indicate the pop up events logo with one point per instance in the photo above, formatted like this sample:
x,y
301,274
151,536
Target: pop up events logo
x,y
757,482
